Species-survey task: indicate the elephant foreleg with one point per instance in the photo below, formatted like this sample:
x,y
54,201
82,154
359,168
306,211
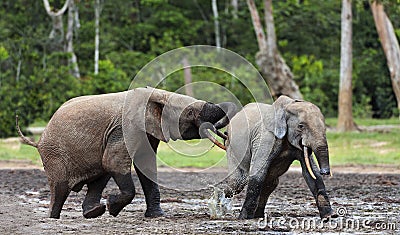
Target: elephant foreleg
x,y
91,205
238,172
266,191
317,188
151,193
278,167
264,150
237,180
146,169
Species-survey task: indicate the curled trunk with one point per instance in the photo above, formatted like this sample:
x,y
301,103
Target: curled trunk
x,y
230,110
204,133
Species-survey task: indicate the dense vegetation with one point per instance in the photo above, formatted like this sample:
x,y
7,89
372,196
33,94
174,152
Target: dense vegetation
x,y
34,73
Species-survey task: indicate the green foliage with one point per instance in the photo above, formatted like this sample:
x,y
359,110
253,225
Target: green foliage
x,y
109,79
36,96
316,86
3,53
34,72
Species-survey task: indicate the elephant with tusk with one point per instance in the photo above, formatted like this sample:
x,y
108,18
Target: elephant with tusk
x,y
264,140
90,139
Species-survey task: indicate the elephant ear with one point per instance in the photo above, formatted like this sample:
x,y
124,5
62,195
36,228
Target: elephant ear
x,y
280,115
153,116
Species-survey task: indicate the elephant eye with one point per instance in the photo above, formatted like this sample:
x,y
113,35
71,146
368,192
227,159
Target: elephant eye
x,y
301,126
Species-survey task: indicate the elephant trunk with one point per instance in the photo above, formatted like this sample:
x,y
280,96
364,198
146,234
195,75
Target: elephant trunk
x,y
204,133
322,155
230,110
219,114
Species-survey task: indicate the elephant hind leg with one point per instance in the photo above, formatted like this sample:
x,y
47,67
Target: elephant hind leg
x,y
117,202
59,192
91,205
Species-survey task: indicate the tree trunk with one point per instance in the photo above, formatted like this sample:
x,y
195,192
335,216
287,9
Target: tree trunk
x,y
58,27
187,73
345,120
97,36
272,47
390,46
73,61
258,28
272,65
216,23
235,8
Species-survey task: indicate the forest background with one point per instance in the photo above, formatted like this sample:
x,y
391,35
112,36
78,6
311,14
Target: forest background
x,y
36,78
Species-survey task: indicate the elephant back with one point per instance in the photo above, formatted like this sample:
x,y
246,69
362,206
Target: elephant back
x,y
71,146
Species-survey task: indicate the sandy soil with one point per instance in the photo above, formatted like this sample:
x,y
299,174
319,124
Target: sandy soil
x,y
367,202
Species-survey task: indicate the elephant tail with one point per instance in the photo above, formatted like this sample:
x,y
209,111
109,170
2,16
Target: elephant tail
x,y
24,139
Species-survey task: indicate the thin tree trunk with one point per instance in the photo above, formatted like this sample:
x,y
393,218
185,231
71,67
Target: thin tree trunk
x,y
73,61
76,19
390,45
272,65
19,65
97,36
345,120
258,28
203,15
272,47
216,23
235,6
187,73
51,13
58,28
18,70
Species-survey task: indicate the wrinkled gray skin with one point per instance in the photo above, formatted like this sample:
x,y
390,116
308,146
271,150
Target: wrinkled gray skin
x,y
263,141
83,143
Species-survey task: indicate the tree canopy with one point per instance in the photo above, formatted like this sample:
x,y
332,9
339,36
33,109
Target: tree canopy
x,y
34,69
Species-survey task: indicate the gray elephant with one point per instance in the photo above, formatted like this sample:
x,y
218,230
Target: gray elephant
x,y
90,139
263,141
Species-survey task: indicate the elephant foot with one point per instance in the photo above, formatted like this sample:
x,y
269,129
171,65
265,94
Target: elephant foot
x,y
95,211
324,207
327,213
153,213
116,203
245,215
259,213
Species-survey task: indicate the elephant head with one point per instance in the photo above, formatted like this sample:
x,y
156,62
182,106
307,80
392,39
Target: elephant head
x,y
304,125
169,115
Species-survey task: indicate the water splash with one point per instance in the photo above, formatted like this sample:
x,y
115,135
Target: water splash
x,y
218,204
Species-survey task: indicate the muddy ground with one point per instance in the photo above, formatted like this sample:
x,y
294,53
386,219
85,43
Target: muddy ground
x,y
367,203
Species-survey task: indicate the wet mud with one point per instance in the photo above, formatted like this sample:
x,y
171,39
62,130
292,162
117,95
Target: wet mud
x,y
366,203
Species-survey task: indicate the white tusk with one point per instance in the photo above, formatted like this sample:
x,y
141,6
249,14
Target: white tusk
x,y
308,163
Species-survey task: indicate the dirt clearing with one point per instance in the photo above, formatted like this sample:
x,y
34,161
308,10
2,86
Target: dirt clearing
x,y
367,203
